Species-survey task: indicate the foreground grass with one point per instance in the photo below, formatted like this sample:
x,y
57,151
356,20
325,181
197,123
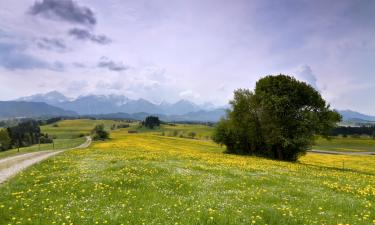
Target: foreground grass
x,y
151,179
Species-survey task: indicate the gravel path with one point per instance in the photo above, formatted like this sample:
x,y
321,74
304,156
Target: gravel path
x,y
341,153
12,165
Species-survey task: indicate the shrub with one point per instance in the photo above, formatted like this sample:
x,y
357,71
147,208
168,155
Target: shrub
x,y
99,133
192,134
45,140
123,125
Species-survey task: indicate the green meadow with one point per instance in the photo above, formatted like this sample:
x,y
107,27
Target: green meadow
x,y
148,178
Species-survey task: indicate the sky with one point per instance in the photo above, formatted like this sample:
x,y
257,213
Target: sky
x,y
201,50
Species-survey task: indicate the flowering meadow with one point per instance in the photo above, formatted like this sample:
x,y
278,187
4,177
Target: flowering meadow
x,y
146,178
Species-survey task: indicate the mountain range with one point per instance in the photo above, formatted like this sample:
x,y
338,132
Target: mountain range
x,y
104,104
349,115
19,109
118,106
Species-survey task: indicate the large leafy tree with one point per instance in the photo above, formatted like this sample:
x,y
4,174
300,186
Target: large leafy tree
x,y
278,120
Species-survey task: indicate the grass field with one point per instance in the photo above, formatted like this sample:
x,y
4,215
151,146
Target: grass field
x,y
146,178
348,144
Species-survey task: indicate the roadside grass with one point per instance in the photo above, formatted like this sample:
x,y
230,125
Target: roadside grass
x,y
58,144
151,179
347,144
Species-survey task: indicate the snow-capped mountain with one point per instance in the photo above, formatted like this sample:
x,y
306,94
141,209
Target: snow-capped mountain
x,y
103,104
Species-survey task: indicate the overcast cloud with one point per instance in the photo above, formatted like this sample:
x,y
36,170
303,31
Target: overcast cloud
x,y
201,50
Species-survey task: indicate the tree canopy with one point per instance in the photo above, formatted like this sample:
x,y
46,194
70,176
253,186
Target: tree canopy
x,y
151,122
278,120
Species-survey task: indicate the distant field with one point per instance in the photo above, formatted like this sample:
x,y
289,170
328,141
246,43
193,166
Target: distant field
x,y
67,135
346,144
75,128
178,130
146,178
339,144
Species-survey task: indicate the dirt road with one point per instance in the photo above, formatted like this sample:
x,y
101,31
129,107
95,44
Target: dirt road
x,y
340,153
12,165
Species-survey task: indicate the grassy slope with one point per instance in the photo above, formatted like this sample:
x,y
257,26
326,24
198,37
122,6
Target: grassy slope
x,y
346,144
151,179
339,144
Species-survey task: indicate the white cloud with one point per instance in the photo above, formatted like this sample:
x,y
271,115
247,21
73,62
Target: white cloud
x,y
189,94
306,74
189,49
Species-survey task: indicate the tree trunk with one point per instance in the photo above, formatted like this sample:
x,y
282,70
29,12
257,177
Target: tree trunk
x,y
279,152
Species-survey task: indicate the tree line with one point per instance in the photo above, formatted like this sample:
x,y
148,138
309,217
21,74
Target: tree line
x,y
22,135
345,131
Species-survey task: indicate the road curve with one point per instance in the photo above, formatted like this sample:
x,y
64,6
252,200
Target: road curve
x,y
12,165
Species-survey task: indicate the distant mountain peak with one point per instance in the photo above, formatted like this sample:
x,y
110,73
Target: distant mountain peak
x,y
349,115
185,102
49,97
